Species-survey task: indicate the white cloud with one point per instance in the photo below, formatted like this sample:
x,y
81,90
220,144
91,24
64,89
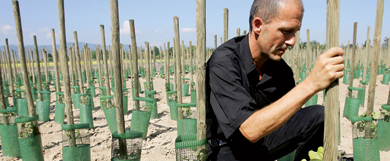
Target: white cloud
x,y
126,28
187,30
45,29
49,35
158,32
32,34
6,29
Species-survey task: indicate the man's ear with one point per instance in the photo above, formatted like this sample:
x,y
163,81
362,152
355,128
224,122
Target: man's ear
x,y
257,24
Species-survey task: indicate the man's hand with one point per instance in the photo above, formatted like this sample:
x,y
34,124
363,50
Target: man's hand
x,y
329,67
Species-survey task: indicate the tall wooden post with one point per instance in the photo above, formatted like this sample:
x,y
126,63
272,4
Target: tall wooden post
x,y
191,66
118,95
353,59
135,63
106,76
9,67
178,65
36,55
78,60
295,67
225,24
308,53
374,68
98,61
215,42
2,96
238,32
65,71
332,103
147,66
166,57
55,61
201,68
44,53
22,57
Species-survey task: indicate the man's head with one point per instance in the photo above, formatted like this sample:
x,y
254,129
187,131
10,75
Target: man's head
x,y
273,24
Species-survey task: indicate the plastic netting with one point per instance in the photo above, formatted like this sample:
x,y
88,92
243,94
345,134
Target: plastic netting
x,y
188,148
133,146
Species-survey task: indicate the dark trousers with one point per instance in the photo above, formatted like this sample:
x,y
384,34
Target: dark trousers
x,y
302,132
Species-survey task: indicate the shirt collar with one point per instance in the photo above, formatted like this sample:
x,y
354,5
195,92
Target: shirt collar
x,y
246,55
248,60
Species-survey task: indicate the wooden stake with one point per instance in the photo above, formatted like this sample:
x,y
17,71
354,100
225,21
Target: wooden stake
x,y
78,64
353,59
331,93
225,24
36,55
374,67
106,77
201,68
166,57
116,62
55,61
135,63
296,58
9,68
191,67
238,32
98,57
2,96
65,72
308,53
178,65
215,42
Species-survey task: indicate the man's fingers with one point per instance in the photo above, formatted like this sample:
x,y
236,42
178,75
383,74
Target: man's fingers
x,y
335,51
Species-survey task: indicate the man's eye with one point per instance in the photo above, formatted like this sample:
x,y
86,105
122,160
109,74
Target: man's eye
x,y
284,32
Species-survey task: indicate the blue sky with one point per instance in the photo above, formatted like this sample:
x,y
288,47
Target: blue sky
x,y
154,20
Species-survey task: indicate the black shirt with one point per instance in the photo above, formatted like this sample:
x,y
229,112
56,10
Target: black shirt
x,y
234,92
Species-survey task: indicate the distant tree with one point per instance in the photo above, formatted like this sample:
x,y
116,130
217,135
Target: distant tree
x,y
49,57
156,51
386,42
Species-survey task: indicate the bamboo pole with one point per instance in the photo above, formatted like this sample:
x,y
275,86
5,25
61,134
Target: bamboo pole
x,y
201,68
117,66
178,65
135,63
225,24
374,68
353,55
331,93
106,77
55,59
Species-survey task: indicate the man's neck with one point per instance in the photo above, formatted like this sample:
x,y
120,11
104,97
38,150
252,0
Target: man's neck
x,y
257,57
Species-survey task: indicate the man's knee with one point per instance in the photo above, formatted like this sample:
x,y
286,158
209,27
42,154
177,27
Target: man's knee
x,y
316,113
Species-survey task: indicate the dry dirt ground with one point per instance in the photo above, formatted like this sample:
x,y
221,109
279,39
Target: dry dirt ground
x,y
159,144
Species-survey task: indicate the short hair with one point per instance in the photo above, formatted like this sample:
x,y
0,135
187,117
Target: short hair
x,y
267,10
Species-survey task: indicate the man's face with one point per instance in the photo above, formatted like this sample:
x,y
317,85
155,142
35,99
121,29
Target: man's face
x,y
276,36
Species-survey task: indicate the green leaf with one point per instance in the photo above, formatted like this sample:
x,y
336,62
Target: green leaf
x,y
375,115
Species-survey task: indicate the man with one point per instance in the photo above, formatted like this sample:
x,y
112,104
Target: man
x,y
253,107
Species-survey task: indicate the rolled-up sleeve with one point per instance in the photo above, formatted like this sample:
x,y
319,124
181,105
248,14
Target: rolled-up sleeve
x,y
231,103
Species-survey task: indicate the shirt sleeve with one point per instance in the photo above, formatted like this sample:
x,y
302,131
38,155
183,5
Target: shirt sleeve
x,y
231,103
